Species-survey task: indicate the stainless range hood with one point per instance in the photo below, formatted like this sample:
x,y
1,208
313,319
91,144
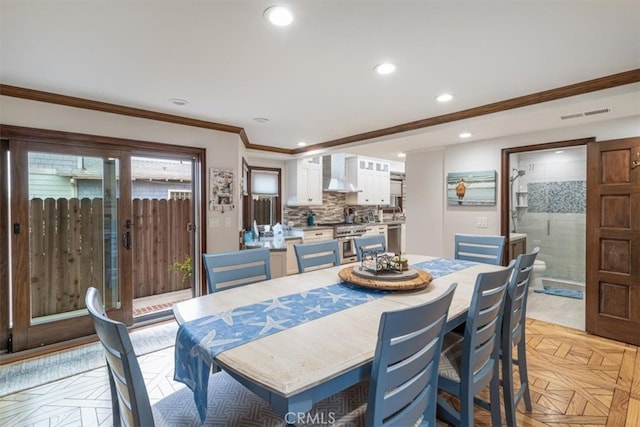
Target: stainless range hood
x,y
334,174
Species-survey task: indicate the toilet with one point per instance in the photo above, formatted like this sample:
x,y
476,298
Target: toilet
x,y
539,268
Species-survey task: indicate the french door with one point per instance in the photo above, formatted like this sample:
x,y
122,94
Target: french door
x,y
70,229
79,211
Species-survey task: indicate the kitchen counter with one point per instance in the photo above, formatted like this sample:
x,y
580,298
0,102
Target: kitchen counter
x,y
516,236
270,243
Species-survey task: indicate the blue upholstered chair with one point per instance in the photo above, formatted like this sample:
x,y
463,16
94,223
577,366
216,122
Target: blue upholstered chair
x,y
230,269
513,335
470,362
404,375
479,248
317,255
368,243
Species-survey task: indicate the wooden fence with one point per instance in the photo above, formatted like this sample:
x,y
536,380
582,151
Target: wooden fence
x,y
68,254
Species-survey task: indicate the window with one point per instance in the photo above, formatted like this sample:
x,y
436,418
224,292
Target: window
x,y
179,194
263,202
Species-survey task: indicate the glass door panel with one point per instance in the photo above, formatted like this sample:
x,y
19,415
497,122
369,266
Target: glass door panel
x,y
73,233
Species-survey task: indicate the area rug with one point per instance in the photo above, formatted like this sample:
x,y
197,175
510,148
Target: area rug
x,y
30,373
569,293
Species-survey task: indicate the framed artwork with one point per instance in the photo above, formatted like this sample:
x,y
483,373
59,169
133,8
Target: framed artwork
x,y
220,187
471,188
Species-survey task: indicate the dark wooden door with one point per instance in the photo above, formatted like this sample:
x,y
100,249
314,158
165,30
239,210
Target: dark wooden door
x,y
613,239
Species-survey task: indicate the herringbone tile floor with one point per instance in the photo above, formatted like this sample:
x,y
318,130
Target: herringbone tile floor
x,y
576,380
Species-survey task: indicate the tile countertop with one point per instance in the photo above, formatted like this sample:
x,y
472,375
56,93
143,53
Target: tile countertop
x,y
323,227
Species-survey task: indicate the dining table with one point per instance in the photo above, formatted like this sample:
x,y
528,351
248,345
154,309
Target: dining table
x,y
298,339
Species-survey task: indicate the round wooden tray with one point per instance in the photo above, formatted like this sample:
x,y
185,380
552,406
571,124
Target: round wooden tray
x,y
348,275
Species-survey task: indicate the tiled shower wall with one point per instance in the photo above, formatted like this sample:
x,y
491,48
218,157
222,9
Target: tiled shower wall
x,y
555,217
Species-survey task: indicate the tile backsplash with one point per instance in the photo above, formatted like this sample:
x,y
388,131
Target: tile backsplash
x,y
331,210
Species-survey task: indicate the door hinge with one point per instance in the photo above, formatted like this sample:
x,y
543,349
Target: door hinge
x,y
191,227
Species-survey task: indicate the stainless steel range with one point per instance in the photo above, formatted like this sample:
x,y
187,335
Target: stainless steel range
x,y
345,233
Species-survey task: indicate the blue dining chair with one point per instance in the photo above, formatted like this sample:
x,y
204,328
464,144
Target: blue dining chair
x,y
513,335
130,404
230,269
470,362
316,255
404,374
369,243
479,248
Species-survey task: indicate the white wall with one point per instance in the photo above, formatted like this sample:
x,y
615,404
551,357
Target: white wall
x,y
222,148
423,206
431,224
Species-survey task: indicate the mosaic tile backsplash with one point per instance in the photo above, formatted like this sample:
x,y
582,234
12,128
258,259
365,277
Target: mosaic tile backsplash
x,y
557,197
331,210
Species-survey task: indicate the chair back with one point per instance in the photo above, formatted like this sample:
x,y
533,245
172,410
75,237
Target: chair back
x,y
481,343
479,248
230,269
129,398
317,255
516,299
369,243
404,373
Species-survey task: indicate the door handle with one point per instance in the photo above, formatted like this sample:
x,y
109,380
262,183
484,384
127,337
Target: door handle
x,y
126,240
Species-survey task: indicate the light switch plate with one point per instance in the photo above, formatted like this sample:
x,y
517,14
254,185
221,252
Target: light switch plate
x,y
481,222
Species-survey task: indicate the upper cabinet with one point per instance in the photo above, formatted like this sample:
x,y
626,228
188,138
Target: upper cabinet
x,y
372,177
304,182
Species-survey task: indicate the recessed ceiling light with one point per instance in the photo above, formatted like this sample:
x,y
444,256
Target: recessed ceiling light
x,y
279,15
559,152
385,68
445,97
402,154
302,144
179,102
260,120
465,135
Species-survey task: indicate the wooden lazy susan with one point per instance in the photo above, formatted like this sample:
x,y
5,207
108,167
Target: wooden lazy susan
x,y
388,281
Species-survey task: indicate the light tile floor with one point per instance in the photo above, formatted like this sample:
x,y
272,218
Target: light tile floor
x,y
556,309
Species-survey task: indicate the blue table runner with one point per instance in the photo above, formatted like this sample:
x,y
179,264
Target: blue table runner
x,y
199,341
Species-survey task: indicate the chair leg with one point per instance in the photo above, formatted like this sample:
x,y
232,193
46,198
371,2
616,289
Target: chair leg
x,y
522,371
494,398
507,386
446,412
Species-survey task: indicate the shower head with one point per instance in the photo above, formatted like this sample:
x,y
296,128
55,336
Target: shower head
x,y
519,173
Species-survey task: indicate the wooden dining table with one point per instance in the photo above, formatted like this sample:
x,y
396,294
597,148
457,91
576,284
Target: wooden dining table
x,y
296,363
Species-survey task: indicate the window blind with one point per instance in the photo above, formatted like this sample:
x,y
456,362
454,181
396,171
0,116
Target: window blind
x,y
264,183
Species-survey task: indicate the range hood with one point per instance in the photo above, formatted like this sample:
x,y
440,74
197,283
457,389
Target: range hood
x,y
334,174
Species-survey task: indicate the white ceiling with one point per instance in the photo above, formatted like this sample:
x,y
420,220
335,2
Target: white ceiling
x,y
314,80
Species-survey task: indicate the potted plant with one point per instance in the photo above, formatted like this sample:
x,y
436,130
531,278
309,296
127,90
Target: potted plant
x,y
185,267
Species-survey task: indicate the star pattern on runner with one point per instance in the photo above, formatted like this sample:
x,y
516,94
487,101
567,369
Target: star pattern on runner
x,y
269,324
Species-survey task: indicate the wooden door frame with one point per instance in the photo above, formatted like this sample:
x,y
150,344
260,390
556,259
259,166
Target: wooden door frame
x,y
25,334
505,173
4,245
118,145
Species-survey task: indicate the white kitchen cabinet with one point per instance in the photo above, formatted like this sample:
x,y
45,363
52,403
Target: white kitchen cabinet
x,y
318,235
304,182
373,229
278,263
292,263
372,177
